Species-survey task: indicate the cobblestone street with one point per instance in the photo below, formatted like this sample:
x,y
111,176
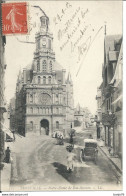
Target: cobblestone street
x,y
39,161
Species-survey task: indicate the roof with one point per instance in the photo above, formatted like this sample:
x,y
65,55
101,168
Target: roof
x,y
90,140
111,43
57,66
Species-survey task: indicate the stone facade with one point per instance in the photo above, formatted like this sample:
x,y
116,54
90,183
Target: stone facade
x,y
44,98
82,117
109,110
2,85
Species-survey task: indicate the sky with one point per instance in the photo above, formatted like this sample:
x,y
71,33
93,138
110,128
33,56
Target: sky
x,y
80,25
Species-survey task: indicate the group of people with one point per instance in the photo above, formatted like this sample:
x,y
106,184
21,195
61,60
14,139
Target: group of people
x,y
60,138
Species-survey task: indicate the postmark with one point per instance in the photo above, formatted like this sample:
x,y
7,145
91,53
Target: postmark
x,y
14,18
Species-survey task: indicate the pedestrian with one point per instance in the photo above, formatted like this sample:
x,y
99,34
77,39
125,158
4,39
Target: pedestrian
x,y
70,160
7,155
71,138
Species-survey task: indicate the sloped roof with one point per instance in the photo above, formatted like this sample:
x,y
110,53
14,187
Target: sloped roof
x,y
57,66
111,42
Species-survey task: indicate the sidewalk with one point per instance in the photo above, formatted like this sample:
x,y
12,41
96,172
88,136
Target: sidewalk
x,y
5,177
114,160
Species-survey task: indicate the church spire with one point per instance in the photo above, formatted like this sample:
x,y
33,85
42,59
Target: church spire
x,y
44,23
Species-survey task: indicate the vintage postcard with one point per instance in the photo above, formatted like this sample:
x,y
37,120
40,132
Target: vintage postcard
x,y
61,95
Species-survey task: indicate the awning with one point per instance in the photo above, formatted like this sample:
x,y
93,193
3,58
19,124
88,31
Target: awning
x,y
118,99
6,130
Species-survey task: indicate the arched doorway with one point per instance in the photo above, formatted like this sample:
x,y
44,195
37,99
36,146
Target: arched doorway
x,y
44,127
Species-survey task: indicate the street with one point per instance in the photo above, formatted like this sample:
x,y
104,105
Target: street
x,y
39,161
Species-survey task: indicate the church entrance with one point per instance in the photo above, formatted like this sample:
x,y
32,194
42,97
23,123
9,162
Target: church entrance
x,y
44,127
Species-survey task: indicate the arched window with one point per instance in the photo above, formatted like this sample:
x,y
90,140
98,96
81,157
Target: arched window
x,y
31,110
37,110
50,66
44,66
38,65
39,79
47,111
57,124
44,80
31,98
57,98
31,125
57,110
44,111
41,110
49,80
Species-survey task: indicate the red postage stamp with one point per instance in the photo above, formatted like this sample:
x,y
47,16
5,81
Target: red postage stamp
x,y
14,18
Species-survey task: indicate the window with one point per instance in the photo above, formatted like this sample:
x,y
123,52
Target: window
x,y
37,110
39,79
31,125
44,111
49,43
57,124
47,110
57,110
50,66
44,80
57,98
49,80
44,65
31,110
31,98
38,65
41,110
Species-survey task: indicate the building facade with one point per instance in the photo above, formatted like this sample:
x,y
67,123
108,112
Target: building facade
x,y
2,84
82,117
109,95
44,98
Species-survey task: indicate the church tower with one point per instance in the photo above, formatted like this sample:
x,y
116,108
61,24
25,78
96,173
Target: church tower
x,y
44,56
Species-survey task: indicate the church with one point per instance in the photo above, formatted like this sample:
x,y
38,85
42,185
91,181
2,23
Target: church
x,y
44,97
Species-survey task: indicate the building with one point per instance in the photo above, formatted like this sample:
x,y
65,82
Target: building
x,y
44,98
109,95
82,117
12,114
2,85
98,119
79,116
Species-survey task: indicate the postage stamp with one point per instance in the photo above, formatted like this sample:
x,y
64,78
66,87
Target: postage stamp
x,y
14,18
